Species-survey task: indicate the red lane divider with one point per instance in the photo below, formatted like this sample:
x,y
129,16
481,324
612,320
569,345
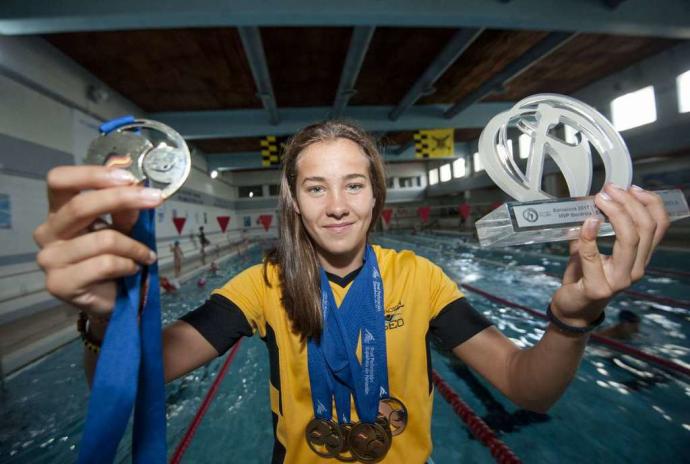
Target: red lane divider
x,y
203,407
499,450
665,363
659,299
667,272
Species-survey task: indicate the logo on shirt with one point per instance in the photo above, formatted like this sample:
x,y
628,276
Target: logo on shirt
x,y
394,317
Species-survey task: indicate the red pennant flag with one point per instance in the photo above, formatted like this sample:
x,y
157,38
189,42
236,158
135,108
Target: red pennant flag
x,y
464,209
265,220
223,222
387,214
179,223
423,212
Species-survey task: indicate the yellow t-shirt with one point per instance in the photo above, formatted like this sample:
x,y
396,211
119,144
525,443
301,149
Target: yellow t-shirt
x,y
415,291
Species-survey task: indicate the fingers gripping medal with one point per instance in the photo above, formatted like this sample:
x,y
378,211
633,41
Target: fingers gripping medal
x,y
148,149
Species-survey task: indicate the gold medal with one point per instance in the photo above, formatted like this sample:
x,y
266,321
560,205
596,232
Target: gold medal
x,y
369,442
395,411
324,437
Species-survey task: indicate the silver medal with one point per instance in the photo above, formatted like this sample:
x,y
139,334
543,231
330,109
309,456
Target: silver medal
x,y
149,150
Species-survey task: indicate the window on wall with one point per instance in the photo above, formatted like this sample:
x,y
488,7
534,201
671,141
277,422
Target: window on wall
x,y
477,162
524,145
634,109
683,87
273,190
433,177
410,182
250,191
570,135
389,182
459,168
446,175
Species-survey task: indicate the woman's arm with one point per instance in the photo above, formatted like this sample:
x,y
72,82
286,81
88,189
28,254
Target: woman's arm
x,y
536,377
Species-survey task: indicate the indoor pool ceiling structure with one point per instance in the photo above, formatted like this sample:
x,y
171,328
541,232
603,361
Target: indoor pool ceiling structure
x,y
226,74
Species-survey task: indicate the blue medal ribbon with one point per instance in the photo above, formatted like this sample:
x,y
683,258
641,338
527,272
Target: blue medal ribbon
x,y
334,369
130,365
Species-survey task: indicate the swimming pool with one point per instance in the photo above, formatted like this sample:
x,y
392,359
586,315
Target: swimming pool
x,y
617,410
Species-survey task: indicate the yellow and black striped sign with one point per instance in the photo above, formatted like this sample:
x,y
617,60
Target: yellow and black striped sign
x,y
270,151
434,143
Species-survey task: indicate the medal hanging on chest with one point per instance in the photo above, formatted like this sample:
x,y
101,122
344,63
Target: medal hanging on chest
x,y
335,372
129,372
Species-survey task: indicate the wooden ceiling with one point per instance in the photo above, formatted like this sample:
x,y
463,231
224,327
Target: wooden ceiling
x,y
207,68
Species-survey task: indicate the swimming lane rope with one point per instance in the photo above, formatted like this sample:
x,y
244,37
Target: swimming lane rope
x,y
203,407
499,450
661,362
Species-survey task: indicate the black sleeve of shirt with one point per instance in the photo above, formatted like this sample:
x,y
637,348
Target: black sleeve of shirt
x,y
456,323
220,322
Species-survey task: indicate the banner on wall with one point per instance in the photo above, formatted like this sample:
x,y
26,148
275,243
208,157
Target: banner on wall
x,y
464,209
434,143
223,222
387,214
423,212
265,220
179,223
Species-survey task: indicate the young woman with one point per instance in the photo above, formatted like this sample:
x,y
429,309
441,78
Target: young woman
x,y
332,193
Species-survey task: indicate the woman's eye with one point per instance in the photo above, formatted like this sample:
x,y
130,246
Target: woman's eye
x,y
315,189
355,187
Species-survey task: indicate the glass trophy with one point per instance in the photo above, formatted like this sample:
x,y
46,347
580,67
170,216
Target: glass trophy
x,y
536,216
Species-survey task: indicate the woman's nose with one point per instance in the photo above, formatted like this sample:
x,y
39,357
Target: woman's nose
x,y
337,205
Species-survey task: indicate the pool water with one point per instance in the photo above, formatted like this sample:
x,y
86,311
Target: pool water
x,y
617,410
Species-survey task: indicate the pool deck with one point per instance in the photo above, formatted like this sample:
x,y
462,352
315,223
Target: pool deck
x,y
38,332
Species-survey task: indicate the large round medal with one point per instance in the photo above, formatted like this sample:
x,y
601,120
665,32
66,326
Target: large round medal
x,y
166,164
369,442
324,437
395,411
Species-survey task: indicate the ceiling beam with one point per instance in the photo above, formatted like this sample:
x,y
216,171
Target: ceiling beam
x,y
661,18
359,44
254,49
254,122
552,41
424,85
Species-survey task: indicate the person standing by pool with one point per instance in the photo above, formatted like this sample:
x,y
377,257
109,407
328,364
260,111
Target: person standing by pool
x,y
323,292
177,258
203,241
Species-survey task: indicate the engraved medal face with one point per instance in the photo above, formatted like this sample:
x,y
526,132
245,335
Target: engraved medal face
x,y
166,165
369,442
324,437
538,117
119,150
395,412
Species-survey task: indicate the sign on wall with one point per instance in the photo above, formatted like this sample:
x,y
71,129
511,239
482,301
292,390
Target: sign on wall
x,y
5,212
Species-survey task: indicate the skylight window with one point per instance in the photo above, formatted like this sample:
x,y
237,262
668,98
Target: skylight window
x,y
683,86
634,109
459,168
433,177
445,173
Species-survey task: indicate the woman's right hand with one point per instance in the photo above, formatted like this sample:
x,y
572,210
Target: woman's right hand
x,y
81,264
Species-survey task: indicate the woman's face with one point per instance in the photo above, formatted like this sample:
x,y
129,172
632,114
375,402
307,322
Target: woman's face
x,y
334,196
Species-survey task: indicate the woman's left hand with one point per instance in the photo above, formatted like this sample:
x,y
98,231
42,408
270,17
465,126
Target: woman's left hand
x,y
591,279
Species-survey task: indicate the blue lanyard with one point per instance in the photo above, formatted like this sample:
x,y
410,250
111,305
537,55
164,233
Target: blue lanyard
x,y
334,370
130,366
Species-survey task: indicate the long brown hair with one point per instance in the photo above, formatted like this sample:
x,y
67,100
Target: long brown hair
x,y
295,254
